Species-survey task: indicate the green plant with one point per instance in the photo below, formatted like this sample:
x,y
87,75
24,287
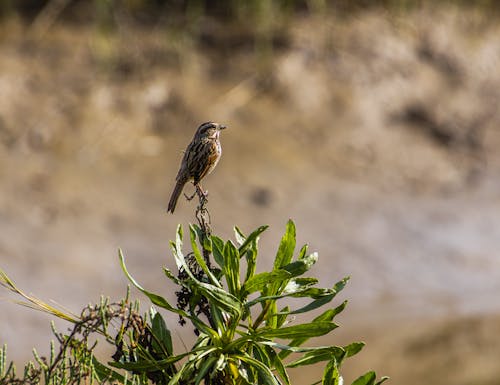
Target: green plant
x,y
246,334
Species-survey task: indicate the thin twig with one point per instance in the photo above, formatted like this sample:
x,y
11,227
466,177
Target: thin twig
x,y
203,217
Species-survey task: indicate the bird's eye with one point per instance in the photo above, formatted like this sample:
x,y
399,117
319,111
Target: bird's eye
x,y
205,127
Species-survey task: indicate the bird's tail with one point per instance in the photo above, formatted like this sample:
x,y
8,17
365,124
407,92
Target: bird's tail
x,y
175,195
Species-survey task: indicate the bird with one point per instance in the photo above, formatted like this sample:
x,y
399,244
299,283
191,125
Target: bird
x,y
200,158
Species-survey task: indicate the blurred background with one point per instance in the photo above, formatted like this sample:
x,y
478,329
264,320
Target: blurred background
x,y
374,125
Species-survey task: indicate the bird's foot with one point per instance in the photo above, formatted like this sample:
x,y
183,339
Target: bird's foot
x,y
200,192
190,197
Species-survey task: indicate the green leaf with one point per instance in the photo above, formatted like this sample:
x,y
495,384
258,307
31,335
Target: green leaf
x,y
261,280
251,259
220,364
339,308
319,355
204,239
306,330
232,267
199,258
265,374
341,284
188,369
172,277
254,236
239,236
104,374
331,375
302,282
369,379
207,244
315,304
311,306
282,316
293,287
272,316
218,250
226,301
326,316
162,341
217,318
202,342
321,301
247,375
366,379
176,379
286,247
260,354
323,295
311,292
301,266
296,349
143,366
239,343
264,298
353,348
178,239
277,364
302,252
204,368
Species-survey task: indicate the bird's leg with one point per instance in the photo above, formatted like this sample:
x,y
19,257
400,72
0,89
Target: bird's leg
x,y
202,196
200,191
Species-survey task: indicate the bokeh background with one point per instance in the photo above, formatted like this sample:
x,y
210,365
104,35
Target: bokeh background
x,y
373,124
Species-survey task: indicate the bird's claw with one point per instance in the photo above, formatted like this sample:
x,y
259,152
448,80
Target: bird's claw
x,y
200,192
189,198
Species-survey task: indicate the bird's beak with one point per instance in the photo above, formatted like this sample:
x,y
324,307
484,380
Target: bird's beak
x,y
221,127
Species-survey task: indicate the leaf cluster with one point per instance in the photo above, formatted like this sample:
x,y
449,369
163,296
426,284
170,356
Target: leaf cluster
x,y
250,333
247,335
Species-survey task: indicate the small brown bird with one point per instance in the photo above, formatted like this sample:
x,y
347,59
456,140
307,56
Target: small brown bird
x,y
200,158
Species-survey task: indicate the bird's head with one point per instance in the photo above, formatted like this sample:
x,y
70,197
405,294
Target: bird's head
x,y
209,130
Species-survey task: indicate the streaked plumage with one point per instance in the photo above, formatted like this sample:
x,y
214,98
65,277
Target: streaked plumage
x,y
200,158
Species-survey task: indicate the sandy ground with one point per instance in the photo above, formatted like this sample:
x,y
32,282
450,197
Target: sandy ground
x,y
377,134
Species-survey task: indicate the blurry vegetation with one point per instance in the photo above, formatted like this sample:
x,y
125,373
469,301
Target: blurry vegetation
x,y
148,10
258,20
220,25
